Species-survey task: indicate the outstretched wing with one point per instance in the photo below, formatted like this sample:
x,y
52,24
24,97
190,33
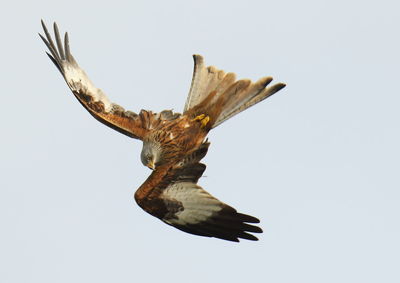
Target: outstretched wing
x,y
92,98
172,194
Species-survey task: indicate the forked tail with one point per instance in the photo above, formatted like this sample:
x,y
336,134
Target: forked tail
x,y
219,95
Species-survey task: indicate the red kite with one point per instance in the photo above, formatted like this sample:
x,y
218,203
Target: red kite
x,y
174,143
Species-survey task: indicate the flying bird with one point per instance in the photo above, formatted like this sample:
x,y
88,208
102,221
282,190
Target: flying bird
x,y
174,143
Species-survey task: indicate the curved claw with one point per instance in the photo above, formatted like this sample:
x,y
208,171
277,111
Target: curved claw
x,y
205,121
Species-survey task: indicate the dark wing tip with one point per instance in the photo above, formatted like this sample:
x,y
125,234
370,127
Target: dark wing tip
x,y
236,224
247,236
226,224
44,39
68,54
248,218
48,41
43,24
55,63
58,40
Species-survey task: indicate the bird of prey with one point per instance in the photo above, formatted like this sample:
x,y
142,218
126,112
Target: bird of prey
x,y
174,143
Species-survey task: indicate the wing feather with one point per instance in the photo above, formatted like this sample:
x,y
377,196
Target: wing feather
x,y
172,194
92,98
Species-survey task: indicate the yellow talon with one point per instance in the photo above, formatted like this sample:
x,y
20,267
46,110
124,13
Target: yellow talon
x,y
205,121
199,118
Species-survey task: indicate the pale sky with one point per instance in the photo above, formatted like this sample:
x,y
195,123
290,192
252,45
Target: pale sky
x,y
317,162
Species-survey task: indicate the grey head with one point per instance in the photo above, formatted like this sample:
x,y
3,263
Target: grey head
x,y
151,154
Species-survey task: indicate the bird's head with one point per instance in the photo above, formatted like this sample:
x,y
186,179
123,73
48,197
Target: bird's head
x,y
151,154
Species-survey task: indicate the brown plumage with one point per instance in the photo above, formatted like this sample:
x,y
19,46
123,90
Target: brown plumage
x,y
173,143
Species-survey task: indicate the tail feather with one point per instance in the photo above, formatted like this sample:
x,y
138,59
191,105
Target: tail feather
x,y
247,102
204,81
221,96
243,96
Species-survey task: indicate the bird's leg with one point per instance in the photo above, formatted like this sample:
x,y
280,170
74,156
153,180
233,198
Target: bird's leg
x,y
203,119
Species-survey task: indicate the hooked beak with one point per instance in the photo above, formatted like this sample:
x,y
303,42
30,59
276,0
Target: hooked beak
x,y
151,165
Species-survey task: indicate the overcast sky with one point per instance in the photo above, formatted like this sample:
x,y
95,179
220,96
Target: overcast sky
x,y
318,162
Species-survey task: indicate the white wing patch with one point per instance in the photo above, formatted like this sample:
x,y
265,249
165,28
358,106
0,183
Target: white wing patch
x,y
79,81
198,205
